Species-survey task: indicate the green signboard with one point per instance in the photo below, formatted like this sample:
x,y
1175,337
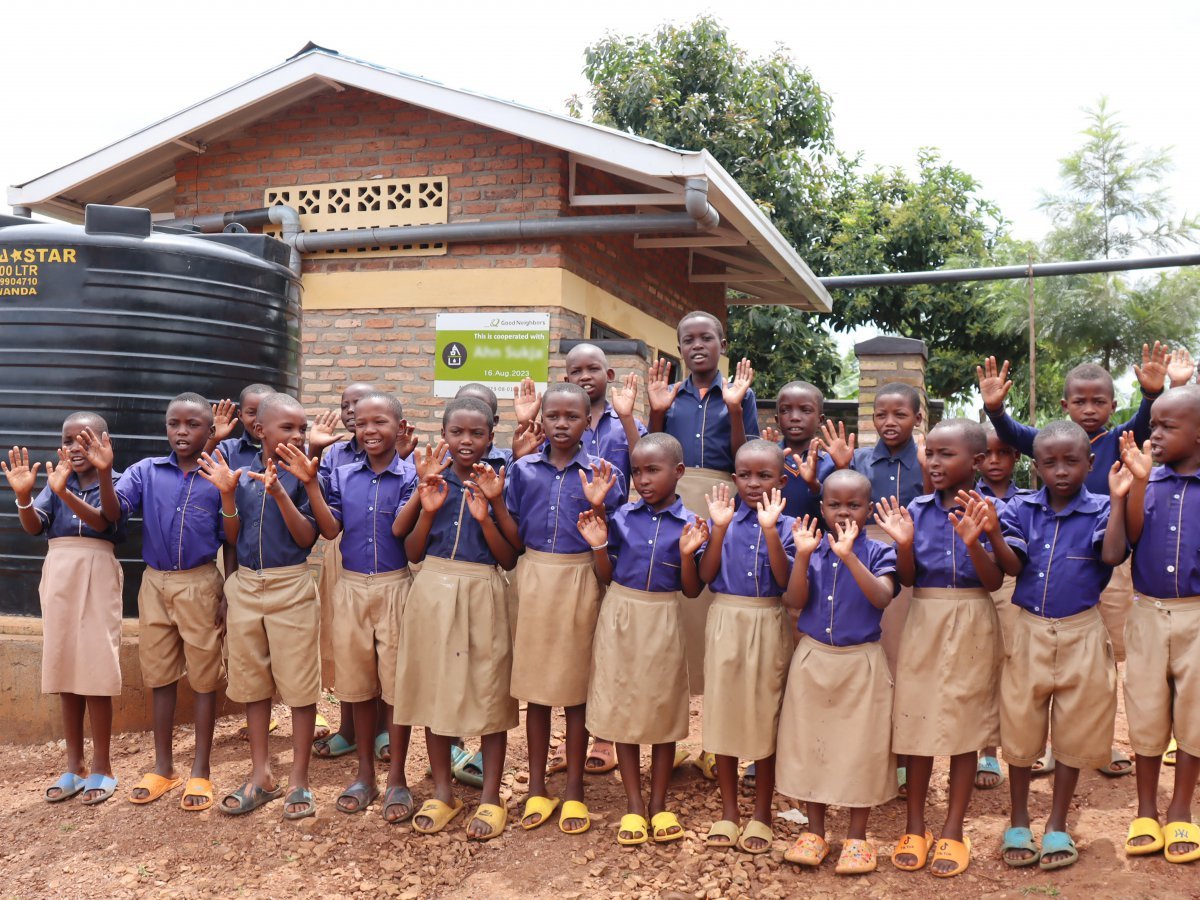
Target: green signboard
x,y
494,349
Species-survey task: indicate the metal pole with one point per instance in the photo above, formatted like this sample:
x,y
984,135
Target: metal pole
x,y
1033,478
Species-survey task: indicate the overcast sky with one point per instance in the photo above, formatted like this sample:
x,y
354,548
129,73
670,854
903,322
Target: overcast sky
x,y
998,89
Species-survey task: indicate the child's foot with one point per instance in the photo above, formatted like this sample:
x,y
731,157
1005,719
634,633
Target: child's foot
x,y
398,804
601,758
299,804
988,773
1183,842
1145,837
574,817
723,833
951,857
68,785
152,786
665,827
1058,851
1017,849
357,797
488,822
321,729
1119,765
197,795
756,838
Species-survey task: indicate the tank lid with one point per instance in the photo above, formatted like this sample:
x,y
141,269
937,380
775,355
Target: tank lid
x,y
16,221
98,219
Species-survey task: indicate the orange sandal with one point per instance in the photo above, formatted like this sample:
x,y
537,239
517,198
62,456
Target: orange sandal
x,y
917,846
809,850
857,858
957,852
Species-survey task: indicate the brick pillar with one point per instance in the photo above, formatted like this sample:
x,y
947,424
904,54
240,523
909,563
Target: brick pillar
x,y
884,360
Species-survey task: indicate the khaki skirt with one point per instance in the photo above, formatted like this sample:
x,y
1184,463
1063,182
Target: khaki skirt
x,y
892,623
454,651
80,592
748,644
639,688
948,674
558,601
835,731
697,482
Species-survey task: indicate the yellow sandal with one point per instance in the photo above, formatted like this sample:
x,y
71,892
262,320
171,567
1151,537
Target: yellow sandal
x,y
538,806
440,814
660,822
493,816
635,825
916,845
1144,826
574,809
957,852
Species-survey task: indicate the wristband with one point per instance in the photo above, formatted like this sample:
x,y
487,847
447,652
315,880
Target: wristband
x,y
600,547
29,505
225,515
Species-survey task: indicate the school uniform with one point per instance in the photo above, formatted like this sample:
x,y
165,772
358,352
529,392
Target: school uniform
x,y
181,587
454,653
1060,648
1002,596
701,424
558,596
835,729
239,452
336,455
274,618
639,686
80,593
369,596
947,684
748,642
1162,675
607,439
799,499
1116,599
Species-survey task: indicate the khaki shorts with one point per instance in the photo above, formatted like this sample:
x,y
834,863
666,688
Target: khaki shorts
x,y
274,625
177,632
1070,662
366,621
1115,601
1162,675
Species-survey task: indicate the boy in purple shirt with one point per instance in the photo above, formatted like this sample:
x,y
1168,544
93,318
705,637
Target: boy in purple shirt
x,y
800,414
1060,678
835,730
1162,679
558,596
238,452
181,607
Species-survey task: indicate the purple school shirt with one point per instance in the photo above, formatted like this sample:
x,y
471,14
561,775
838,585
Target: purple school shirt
x,y
546,501
1166,560
180,513
1011,491
239,452
941,557
455,534
1063,573
58,519
608,441
643,545
797,495
701,424
745,563
337,455
366,503
891,475
264,541
1106,445
838,612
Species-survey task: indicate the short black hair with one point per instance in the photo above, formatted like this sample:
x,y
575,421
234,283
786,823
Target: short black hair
x,y
852,476
1088,372
899,389
574,390
389,400
590,348
806,388
192,399
278,400
480,392
758,445
972,432
467,404
662,441
989,432
92,420
1062,428
701,314
254,390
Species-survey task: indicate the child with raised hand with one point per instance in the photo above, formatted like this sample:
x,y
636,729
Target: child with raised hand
x,y
638,692
1060,669
274,616
800,414
454,656
835,731
558,596
80,594
238,452
947,672
181,604
1158,514
748,639
360,503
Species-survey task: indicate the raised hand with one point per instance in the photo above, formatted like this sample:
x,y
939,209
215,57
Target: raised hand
x,y
432,492
839,447
770,508
269,478
489,481
772,434
297,462
528,438
593,528
57,476
993,383
734,392
624,397
895,521
843,544
695,533
527,402
477,502
1180,367
433,461
224,419
1152,373
98,450
919,440
1138,460
968,523
324,431
21,476
1120,480
991,517
660,393
406,439
604,476
807,465
806,535
214,470
720,506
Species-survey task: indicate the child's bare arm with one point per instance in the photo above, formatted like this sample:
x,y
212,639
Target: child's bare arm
x,y
720,512
302,530
22,478
769,510
57,478
660,394
406,518
1139,462
480,508
877,588
695,533
734,396
623,398
594,530
969,526
431,494
224,421
491,483
897,523
807,537
327,523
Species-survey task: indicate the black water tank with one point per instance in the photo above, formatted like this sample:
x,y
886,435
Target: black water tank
x,y
117,319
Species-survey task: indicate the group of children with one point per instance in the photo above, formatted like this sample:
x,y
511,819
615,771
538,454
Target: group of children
x,y
841,609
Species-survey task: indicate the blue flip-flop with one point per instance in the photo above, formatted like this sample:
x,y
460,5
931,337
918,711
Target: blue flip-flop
x,y
1057,842
69,784
106,784
1019,839
335,745
383,742
469,769
991,766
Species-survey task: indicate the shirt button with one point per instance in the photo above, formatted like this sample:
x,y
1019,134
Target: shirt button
x,y
177,508
697,434
370,509
947,552
547,540
1170,568
830,597
1176,496
456,521
835,565
749,574
1172,527
556,477
648,542
829,631
891,478
654,518
1047,546
374,481
76,517
370,540
1041,574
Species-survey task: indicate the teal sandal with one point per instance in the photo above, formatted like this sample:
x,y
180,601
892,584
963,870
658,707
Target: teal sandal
x,y
383,747
332,747
468,769
1019,839
69,784
1057,842
988,765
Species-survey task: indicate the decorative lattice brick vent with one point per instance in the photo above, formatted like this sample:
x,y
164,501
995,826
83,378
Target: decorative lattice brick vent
x,y
380,203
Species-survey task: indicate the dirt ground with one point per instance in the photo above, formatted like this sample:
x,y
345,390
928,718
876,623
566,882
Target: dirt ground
x,y
120,850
